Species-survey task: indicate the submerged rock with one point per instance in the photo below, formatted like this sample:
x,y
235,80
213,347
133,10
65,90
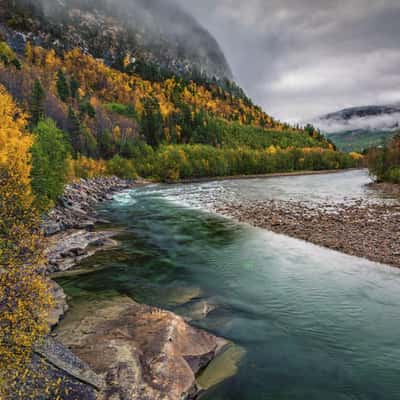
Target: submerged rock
x,y
196,309
222,367
175,296
142,353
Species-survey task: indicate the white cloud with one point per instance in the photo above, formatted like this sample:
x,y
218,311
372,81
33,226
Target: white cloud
x,y
380,122
301,58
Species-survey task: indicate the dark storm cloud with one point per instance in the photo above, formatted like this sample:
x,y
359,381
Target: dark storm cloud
x,y
302,58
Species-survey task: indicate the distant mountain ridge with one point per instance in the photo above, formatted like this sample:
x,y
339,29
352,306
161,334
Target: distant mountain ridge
x,y
154,31
358,128
349,114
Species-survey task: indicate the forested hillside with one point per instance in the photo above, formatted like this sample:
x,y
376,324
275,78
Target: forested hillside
x,y
105,120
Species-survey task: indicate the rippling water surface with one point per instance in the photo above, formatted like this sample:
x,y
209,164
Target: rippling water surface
x,y
315,324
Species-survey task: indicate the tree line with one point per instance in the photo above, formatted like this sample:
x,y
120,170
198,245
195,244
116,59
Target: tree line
x,y
384,162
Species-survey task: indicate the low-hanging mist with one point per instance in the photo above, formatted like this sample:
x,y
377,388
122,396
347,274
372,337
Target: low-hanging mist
x,y
158,31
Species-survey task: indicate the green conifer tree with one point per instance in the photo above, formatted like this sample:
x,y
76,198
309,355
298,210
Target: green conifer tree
x,y
75,131
74,86
63,89
152,121
37,103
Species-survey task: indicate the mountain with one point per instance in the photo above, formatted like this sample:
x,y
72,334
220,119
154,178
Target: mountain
x,y
358,128
157,32
138,87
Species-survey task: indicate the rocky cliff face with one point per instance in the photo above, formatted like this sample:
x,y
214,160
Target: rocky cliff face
x,y
154,31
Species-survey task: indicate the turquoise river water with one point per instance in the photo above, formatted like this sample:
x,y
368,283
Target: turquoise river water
x,y
315,324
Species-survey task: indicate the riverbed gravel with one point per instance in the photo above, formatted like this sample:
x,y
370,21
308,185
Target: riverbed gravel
x,y
361,229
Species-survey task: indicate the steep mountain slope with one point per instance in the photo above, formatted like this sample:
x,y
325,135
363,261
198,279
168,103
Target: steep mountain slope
x,y
73,67
152,31
359,128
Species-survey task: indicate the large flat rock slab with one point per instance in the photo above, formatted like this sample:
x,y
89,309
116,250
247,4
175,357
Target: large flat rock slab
x,y
141,353
56,373
67,249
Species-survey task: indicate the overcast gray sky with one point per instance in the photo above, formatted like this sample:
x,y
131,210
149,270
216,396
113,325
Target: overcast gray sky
x,y
302,58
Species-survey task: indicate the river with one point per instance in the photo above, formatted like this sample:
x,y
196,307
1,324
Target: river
x,y
315,324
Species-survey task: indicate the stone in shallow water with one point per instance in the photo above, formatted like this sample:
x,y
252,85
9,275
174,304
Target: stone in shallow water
x,y
142,353
196,310
224,366
179,295
77,272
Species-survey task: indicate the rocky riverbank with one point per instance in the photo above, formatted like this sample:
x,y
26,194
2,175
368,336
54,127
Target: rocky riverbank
x,y
360,229
70,226
389,189
76,208
114,348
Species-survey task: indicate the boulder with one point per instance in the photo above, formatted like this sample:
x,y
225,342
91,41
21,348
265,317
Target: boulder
x,y
223,367
141,353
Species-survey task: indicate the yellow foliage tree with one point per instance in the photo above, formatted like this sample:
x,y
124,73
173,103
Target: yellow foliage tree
x,y
84,167
24,295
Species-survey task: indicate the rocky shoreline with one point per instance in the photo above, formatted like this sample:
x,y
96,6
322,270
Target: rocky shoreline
x,y
114,348
361,229
69,231
386,188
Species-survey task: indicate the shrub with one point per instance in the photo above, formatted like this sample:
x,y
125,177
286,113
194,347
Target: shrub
x,y
121,167
84,167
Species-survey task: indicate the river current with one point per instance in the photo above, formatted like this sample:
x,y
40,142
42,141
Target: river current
x,y
315,324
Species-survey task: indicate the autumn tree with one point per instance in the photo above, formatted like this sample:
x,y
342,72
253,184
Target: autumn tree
x,y
7,56
29,55
24,295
